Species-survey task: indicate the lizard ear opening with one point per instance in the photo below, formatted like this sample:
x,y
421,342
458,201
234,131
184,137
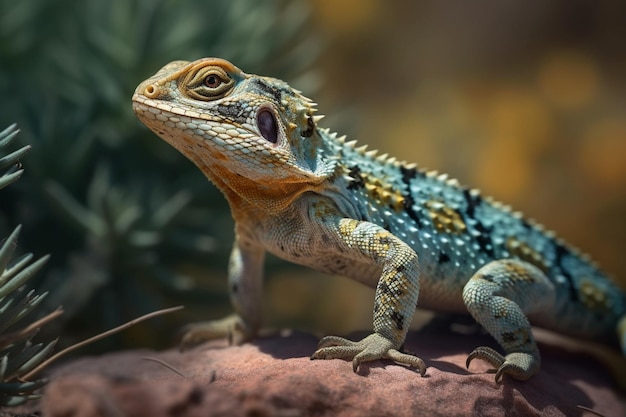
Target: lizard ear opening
x,y
267,125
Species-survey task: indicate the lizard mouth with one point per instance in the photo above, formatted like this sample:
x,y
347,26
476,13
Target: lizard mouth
x,y
267,125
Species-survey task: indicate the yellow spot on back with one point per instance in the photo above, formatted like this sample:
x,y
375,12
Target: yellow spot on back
x,y
593,297
523,251
381,191
445,218
517,271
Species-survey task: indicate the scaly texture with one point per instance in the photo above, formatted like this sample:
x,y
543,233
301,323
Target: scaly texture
x,y
302,193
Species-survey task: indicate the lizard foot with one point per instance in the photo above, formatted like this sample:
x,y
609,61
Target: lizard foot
x,y
518,365
231,327
371,348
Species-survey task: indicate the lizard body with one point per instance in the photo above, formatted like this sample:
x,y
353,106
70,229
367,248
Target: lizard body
x,y
308,196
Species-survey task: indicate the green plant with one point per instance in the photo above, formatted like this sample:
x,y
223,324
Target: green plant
x,y
17,354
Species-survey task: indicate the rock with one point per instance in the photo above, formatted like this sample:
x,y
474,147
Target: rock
x,y
274,377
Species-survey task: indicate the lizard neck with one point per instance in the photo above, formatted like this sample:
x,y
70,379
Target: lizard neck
x,y
245,195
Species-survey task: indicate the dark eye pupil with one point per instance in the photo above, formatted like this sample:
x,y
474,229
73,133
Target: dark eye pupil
x,y
212,81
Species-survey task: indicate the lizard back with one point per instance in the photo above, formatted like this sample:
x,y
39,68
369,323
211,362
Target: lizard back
x,y
455,230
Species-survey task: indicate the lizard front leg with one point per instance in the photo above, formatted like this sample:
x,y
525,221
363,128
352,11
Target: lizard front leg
x,y
498,296
395,300
245,279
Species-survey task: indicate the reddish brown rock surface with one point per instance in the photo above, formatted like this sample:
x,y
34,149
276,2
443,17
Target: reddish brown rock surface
x,y
274,377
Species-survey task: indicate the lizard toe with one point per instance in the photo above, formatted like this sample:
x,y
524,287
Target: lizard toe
x,y
518,365
334,341
407,360
334,347
486,354
336,352
371,348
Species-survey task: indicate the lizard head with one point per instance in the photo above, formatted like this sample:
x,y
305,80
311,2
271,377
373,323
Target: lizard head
x,y
241,130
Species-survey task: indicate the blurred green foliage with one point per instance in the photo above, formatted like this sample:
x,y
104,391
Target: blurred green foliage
x,y
126,219
18,355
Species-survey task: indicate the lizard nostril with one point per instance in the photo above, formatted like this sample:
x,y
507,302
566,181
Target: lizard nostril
x,y
151,91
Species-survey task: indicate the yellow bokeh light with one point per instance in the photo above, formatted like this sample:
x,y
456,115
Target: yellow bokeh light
x,y
602,152
569,79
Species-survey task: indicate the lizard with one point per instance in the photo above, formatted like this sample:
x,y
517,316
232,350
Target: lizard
x,y
311,197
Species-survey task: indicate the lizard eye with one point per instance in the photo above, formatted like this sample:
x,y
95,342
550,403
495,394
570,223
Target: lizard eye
x,y
212,81
267,125
206,83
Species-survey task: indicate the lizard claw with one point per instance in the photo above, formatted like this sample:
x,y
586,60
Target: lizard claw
x,y
371,348
518,365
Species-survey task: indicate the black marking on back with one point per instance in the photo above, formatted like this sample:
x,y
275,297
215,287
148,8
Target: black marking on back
x,y
485,244
408,174
443,258
509,337
409,206
560,252
357,179
310,128
526,224
472,202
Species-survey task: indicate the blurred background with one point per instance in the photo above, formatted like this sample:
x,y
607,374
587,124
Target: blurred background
x,y
525,102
